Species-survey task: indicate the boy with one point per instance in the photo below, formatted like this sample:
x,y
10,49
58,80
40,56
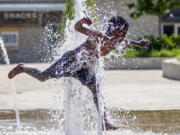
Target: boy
x,y
78,62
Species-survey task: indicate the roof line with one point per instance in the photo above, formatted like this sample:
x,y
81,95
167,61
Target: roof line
x,y
32,7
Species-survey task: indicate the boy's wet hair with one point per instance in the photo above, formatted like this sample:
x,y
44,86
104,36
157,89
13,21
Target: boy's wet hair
x,y
118,22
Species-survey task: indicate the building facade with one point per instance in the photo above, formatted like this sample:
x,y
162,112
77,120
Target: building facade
x,y
22,27
29,27
145,25
170,23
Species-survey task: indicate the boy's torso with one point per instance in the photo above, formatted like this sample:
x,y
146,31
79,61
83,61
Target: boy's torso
x,y
93,48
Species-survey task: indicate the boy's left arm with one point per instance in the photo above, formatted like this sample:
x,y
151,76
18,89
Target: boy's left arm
x,y
140,44
80,28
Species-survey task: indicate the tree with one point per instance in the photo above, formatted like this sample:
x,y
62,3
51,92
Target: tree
x,y
152,7
69,12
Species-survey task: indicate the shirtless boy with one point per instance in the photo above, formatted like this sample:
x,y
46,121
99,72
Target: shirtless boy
x,y
77,63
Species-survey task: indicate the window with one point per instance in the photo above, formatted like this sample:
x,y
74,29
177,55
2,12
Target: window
x,y
10,38
178,30
20,15
168,29
14,19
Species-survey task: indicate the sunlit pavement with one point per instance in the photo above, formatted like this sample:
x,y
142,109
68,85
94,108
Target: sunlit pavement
x,y
126,89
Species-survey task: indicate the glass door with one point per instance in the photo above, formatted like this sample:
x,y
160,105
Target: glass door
x,y
177,31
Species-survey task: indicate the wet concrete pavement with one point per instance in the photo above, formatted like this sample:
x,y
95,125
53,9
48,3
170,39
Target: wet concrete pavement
x,y
125,89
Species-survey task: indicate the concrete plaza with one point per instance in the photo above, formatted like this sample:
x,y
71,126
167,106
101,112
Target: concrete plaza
x,y
126,89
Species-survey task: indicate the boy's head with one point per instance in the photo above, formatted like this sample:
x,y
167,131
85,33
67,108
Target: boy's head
x,y
117,26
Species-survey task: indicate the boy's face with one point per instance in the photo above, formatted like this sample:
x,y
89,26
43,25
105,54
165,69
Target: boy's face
x,y
117,32
120,33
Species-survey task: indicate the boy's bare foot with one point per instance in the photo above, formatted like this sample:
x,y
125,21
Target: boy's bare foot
x,y
109,126
15,71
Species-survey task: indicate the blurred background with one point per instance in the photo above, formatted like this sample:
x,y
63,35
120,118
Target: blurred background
x,y
31,28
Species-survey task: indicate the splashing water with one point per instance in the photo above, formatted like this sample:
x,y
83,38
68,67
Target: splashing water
x,y
73,117
6,59
72,100
75,95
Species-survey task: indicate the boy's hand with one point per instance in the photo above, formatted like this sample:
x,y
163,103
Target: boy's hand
x,y
87,21
143,43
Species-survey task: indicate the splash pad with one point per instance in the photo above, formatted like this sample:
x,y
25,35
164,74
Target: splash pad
x,y
76,114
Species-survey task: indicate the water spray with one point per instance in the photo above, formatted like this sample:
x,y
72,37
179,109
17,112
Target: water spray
x,y
12,84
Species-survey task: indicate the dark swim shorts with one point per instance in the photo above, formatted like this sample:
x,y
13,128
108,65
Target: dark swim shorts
x,y
85,77
68,67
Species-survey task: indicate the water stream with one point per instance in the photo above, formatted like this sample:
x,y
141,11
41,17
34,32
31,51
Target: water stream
x,y
12,84
76,102
73,89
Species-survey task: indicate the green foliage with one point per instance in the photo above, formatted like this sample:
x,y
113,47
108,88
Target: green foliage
x,y
165,53
89,2
69,13
176,40
152,7
178,57
130,53
161,53
92,12
155,53
169,44
159,47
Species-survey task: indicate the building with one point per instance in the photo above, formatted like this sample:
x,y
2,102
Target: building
x,y
29,27
22,24
170,23
145,25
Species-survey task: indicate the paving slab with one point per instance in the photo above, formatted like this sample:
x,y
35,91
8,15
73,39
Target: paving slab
x,y
141,90
125,89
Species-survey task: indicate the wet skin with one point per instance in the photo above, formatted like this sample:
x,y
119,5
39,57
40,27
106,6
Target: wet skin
x,y
107,41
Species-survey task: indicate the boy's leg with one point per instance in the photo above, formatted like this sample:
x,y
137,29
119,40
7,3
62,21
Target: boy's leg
x,y
93,88
35,73
89,80
56,70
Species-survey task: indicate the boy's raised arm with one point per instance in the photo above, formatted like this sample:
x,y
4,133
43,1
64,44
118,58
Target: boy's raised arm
x,y
140,44
80,28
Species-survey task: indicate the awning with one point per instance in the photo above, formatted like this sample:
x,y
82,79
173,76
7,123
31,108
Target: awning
x,y
32,6
173,16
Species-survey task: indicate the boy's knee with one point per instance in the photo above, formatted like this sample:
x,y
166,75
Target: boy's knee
x,y
95,98
42,79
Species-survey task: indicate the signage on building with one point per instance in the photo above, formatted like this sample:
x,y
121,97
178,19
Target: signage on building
x,y
10,38
20,15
